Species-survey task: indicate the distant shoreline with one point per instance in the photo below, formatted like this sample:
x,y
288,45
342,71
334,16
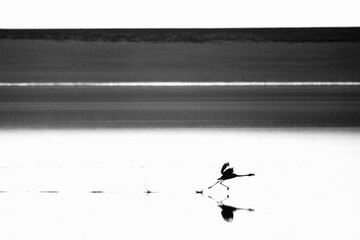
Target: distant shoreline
x,y
76,61
338,34
117,60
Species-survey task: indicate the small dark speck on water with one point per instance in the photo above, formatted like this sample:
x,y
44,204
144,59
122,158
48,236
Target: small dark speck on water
x,y
96,191
49,191
149,192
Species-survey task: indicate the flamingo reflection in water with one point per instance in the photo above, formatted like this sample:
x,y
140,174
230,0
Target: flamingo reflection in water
x,y
227,211
228,173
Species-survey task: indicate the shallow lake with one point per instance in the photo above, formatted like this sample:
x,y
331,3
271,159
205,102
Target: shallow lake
x,y
93,184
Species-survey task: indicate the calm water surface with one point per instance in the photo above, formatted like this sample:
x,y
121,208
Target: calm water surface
x,y
92,184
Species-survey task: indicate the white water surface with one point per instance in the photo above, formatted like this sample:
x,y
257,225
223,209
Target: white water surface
x,y
307,184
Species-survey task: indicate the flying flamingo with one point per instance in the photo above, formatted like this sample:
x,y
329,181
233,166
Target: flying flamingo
x,y
228,173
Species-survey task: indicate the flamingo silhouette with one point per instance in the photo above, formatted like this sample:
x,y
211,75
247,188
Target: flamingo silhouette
x,y
228,173
227,211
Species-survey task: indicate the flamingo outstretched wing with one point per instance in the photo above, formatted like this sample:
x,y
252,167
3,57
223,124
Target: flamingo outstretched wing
x,y
224,167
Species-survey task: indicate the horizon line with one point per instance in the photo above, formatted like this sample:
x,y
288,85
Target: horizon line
x,y
176,84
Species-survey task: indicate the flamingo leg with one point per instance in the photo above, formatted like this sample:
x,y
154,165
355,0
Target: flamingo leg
x,y
213,199
214,184
224,185
224,199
